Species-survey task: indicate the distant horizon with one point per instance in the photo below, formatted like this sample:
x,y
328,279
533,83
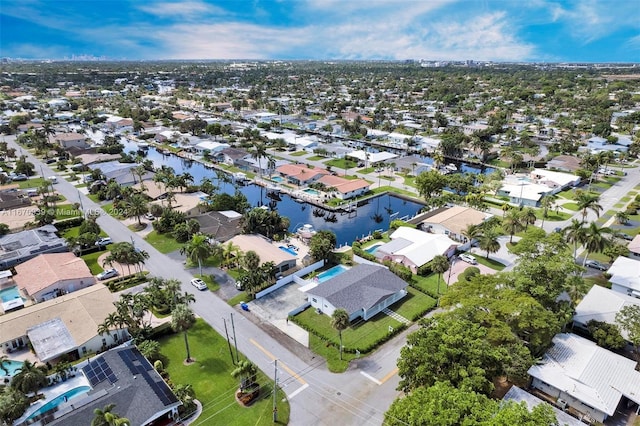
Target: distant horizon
x,y
537,31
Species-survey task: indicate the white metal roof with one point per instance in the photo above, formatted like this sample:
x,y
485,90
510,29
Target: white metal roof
x,y
625,272
602,304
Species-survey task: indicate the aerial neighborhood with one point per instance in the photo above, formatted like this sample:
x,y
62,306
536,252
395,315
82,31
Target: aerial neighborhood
x,y
223,242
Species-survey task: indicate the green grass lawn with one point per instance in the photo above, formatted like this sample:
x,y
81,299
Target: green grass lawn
x,y
489,262
341,163
367,170
552,215
360,335
429,284
240,297
94,198
210,377
298,153
112,211
571,206
395,190
91,260
211,283
414,304
66,211
30,183
331,353
316,158
164,243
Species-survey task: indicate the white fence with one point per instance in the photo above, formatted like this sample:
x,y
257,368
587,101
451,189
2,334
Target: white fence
x,y
289,278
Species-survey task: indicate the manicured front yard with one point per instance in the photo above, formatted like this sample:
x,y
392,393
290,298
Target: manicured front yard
x,y
66,211
413,305
341,163
30,183
164,243
91,260
429,284
210,377
490,263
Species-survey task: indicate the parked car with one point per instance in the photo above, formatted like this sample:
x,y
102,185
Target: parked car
x,y
109,273
466,257
53,179
104,241
18,177
596,265
149,216
199,284
624,236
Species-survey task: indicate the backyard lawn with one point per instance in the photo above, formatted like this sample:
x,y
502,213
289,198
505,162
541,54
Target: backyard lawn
x,y
164,243
210,377
429,284
413,305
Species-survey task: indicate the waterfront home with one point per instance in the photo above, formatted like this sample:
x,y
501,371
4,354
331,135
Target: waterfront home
x,y
414,248
51,275
345,189
66,326
214,148
299,174
602,304
231,156
452,222
585,377
363,291
67,140
268,252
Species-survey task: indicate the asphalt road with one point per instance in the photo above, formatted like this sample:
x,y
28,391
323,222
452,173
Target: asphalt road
x,y
316,396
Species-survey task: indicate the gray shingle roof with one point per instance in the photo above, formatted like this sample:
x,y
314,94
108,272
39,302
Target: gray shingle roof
x,y
362,286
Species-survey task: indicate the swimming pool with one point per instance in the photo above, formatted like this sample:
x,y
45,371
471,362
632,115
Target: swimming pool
x,y
331,273
278,179
311,191
9,294
373,248
288,250
12,366
60,399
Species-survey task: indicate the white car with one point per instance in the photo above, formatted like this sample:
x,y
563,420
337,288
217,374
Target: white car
x,y
104,241
199,284
109,273
466,257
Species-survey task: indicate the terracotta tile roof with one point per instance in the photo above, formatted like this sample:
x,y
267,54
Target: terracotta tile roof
x,y
300,171
46,269
344,185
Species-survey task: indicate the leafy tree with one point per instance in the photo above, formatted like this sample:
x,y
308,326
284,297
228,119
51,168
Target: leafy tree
x,y
629,320
198,249
340,322
529,217
150,349
322,244
251,261
29,378
615,250
430,184
595,240
106,417
187,395
13,404
24,167
439,264
606,335
575,233
182,319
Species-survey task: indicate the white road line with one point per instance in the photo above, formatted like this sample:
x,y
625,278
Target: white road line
x,y
300,389
373,379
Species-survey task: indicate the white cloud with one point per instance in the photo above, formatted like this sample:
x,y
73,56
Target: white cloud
x,y
186,9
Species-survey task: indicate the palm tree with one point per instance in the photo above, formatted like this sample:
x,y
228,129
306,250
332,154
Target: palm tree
x,y
529,217
622,217
229,251
595,240
29,378
340,321
574,233
586,202
136,206
4,359
246,371
197,249
547,202
439,264
182,319
471,232
512,223
259,152
489,241
106,417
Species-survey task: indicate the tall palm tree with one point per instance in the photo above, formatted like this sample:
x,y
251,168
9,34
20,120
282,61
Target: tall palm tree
x,y
246,371
4,359
29,378
106,417
472,232
259,152
182,319
137,206
512,223
546,203
529,217
197,249
574,233
587,201
229,250
595,240
439,264
340,321
489,241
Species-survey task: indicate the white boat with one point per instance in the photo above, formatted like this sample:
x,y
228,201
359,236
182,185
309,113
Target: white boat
x,y
143,145
240,177
451,167
306,231
273,188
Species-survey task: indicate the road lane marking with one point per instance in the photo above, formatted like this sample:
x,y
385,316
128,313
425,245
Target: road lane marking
x,y
373,379
390,375
297,391
280,363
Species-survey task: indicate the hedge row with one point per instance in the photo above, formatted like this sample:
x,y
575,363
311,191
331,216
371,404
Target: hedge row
x,y
126,282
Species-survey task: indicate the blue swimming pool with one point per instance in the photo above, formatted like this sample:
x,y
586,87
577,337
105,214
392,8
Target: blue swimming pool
x,y
9,294
373,248
278,179
330,273
12,366
311,191
288,250
60,399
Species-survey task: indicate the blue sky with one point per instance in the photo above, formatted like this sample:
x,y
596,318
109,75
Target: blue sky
x,y
497,30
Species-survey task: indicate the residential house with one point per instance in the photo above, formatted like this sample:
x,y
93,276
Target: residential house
x,y
528,190
187,203
299,174
119,123
213,148
371,158
625,276
586,377
22,246
67,140
634,246
412,165
230,156
153,190
363,291
122,173
66,326
414,248
453,222
51,275
597,144
564,163
221,225
268,252
124,377
345,189
518,395
602,304
12,198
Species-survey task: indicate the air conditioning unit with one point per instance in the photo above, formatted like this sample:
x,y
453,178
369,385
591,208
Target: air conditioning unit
x,y
561,403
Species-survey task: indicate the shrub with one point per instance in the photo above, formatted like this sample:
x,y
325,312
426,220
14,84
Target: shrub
x,y
400,270
63,225
377,235
395,224
469,273
424,270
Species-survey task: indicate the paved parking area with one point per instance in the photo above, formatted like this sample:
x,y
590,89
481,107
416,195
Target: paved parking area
x,y
459,266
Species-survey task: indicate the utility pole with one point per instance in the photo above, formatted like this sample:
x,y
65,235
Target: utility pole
x,y
235,341
228,342
275,390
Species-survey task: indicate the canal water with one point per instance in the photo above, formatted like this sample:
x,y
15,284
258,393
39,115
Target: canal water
x,y
377,214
